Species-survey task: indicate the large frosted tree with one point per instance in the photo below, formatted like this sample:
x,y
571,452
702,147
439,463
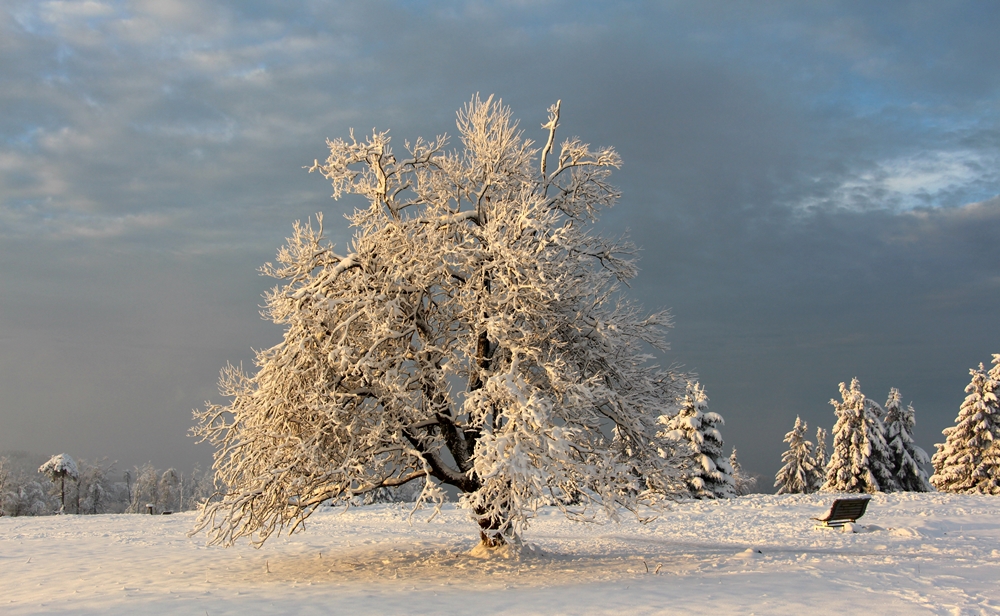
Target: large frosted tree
x,y
860,458
796,476
969,459
474,333
907,460
708,472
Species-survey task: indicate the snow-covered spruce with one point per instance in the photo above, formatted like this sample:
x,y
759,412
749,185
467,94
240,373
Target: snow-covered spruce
x,y
969,459
906,458
708,474
797,474
818,476
473,334
743,482
860,458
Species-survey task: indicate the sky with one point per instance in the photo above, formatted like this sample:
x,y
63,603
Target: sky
x,y
815,187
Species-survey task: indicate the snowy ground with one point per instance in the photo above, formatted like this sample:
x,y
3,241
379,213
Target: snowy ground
x,y
915,554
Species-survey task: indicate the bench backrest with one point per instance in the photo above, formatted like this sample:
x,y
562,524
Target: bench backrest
x,y
849,509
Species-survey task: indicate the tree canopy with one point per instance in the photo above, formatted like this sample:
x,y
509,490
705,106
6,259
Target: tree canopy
x,y
860,458
474,333
969,459
797,476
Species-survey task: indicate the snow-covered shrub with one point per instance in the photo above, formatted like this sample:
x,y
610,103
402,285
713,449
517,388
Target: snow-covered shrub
x,y
907,460
709,474
860,459
797,474
474,334
969,459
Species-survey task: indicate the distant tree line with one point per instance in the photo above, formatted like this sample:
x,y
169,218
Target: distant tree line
x,y
65,485
873,448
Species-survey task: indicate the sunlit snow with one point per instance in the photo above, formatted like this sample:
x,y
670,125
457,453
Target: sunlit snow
x,y
915,554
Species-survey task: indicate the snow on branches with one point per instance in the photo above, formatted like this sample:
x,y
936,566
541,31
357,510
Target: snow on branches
x,y
907,460
797,476
819,453
860,459
708,472
743,482
969,459
474,334
60,467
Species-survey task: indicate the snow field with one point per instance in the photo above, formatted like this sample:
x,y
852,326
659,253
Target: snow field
x,y
914,554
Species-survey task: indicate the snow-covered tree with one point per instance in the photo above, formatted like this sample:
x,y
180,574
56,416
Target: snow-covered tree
x,y
95,490
59,467
5,480
198,489
168,491
743,482
818,477
969,459
860,459
906,458
709,474
145,488
797,474
474,334
26,497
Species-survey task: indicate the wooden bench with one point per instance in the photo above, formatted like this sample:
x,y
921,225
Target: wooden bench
x,y
842,511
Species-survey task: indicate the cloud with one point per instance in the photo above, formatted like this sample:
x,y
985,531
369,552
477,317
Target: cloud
x,y
812,183
47,226
923,179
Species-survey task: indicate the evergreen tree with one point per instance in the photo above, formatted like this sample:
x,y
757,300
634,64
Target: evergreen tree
x,y
744,482
906,458
796,476
860,459
818,476
969,459
709,473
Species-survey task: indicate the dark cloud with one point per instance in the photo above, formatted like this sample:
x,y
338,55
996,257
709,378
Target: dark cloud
x,y
814,187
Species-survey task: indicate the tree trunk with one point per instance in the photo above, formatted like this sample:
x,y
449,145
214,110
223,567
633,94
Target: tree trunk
x,y
486,525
